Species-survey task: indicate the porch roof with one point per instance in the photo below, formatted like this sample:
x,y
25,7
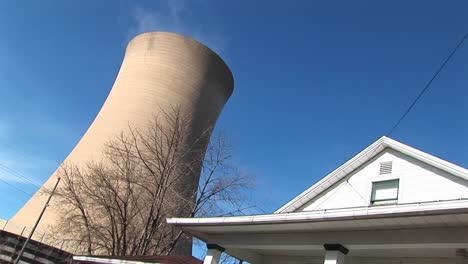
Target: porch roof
x,y
413,215
425,230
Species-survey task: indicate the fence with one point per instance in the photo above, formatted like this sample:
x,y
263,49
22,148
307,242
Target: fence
x,y
38,251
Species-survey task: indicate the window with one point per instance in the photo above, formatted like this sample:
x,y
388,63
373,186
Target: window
x,y
386,167
385,192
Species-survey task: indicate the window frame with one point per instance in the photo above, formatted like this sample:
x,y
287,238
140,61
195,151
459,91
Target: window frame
x,y
374,183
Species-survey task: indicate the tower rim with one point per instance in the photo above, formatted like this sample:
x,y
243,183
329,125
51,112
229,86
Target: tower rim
x,y
147,35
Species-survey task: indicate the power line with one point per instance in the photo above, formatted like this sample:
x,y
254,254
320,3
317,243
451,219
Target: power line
x,y
20,254
18,175
427,85
14,187
14,172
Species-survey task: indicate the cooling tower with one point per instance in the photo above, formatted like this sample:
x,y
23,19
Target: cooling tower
x,y
160,70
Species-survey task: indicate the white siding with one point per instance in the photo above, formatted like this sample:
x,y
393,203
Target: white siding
x,y
419,182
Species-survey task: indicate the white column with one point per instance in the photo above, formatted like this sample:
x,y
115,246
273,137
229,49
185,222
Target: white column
x,y
335,253
213,254
334,257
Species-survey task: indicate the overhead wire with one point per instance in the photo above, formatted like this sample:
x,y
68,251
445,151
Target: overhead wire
x,y
14,172
18,175
14,187
427,85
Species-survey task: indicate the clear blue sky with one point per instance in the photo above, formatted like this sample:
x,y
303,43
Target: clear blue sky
x,y
315,81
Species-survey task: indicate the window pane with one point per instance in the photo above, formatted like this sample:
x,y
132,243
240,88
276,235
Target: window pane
x,y
382,193
386,190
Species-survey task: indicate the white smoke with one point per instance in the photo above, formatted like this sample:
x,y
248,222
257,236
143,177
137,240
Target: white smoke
x,y
173,17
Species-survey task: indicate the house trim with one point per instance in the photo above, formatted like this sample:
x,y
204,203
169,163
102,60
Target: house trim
x,y
371,212
361,158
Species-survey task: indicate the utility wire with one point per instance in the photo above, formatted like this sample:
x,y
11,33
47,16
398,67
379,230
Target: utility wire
x,y
18,175
14,172
427,85
14,187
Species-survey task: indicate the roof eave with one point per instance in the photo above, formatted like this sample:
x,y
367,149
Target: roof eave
x,y
416,209
362,157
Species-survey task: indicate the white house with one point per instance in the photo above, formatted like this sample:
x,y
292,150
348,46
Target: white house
x,y
389,204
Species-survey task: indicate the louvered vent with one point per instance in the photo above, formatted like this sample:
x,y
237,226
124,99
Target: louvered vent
x,y
385,167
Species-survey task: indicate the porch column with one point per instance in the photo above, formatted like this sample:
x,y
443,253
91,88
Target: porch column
x,y
213,254
335,253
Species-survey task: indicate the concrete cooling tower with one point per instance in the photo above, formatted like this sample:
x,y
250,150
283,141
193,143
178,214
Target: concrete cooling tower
x,y
160,70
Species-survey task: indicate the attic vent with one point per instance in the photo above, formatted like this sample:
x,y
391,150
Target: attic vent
x,y
385,167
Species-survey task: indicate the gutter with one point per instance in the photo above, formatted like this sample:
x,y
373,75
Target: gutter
x,y
387,211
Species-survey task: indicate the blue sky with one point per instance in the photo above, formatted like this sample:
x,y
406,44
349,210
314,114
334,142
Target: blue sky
x,y
315,81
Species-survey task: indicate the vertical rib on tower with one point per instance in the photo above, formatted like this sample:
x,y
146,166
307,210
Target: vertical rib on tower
x,y
160,70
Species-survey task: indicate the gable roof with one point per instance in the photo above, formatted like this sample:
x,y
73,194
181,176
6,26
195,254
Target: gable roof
x,y
363,157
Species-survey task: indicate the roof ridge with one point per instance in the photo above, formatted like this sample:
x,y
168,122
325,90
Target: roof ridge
x,y
363,156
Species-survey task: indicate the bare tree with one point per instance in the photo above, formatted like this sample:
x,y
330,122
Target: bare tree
x,y
119,205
